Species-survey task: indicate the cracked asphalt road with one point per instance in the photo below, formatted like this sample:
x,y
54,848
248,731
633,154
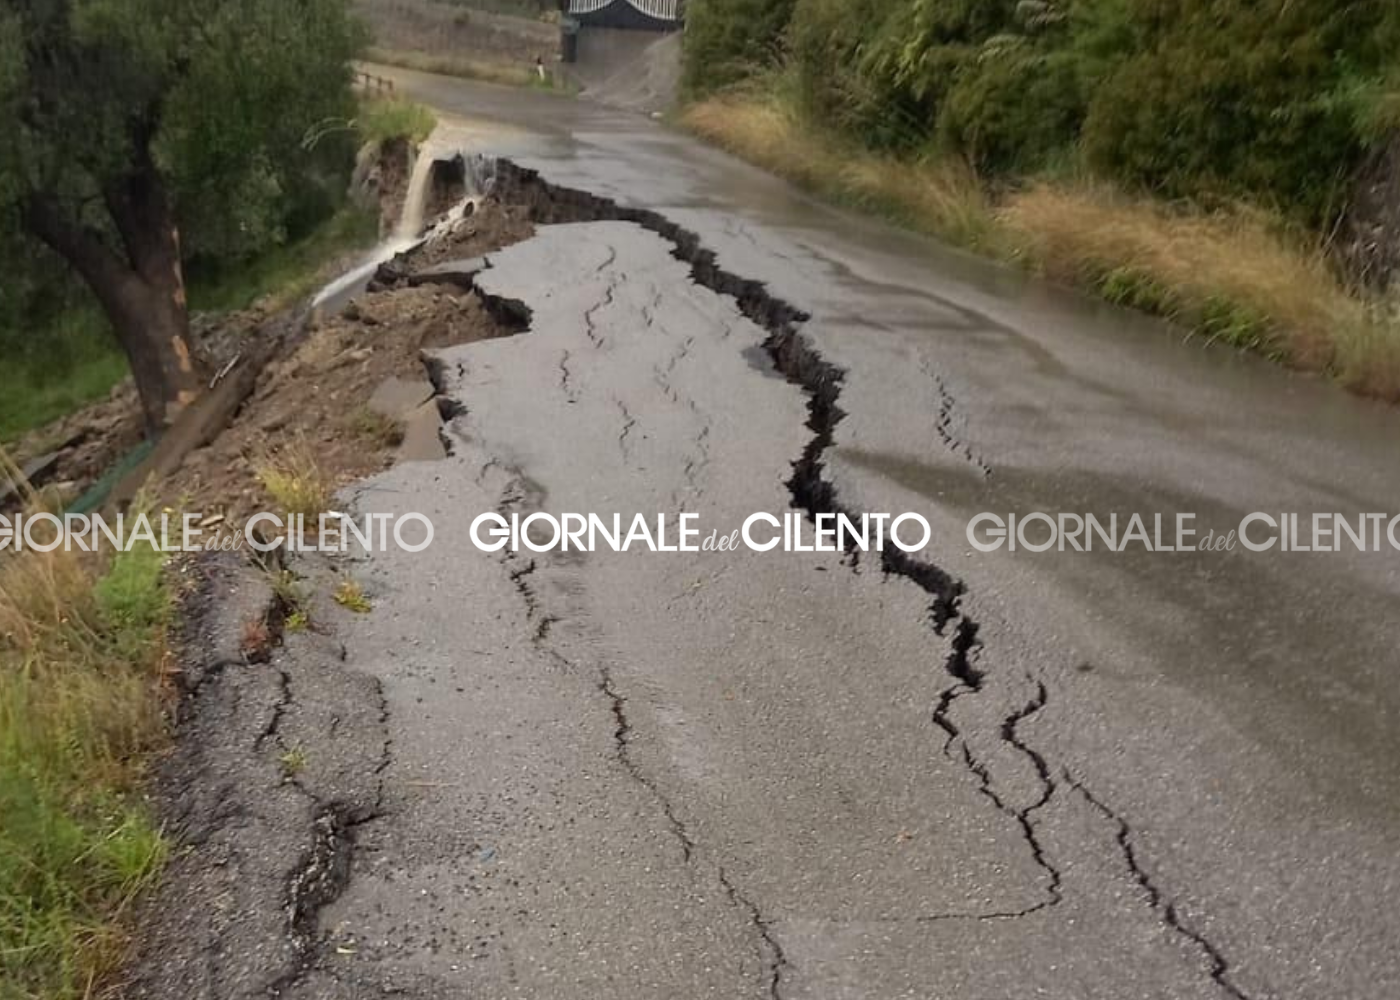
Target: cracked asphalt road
x,y
796,775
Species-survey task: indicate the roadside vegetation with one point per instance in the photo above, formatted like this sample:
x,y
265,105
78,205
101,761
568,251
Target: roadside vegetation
x,y
1194,161
510,74
147,146
157,162
72,358
383,119
296,483
82,696
351,596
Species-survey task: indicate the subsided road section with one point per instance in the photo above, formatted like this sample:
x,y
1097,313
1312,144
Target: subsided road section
x,y
802,775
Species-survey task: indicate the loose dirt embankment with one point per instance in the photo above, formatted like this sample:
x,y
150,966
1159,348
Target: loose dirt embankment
x,y
314,392
280,746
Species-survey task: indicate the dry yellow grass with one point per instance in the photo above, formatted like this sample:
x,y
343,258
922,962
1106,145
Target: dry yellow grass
x,y
82,671
1231,276
942,199
295,480
1367,358
351,596
1194,263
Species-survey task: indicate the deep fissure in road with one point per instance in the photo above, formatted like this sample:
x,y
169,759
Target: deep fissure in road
x,y
793,355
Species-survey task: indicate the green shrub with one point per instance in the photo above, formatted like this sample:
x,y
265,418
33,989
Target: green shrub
x,y
1273,101
1014,108
390,118
727,40
1233,99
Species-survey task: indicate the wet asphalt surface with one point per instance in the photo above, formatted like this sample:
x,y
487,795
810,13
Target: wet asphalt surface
x,y
1098,775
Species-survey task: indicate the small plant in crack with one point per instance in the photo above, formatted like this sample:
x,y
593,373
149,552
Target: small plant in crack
x,y
351,596
293,762
288,589
297,621
255,643
375,428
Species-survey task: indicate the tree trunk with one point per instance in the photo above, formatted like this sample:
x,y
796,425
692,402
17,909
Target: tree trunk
x,y
152,327
142,291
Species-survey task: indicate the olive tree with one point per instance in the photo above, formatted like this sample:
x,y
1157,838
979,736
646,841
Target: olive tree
x,y
120,117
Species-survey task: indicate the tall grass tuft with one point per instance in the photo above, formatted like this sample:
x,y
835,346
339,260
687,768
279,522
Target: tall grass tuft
x,y
82,659
1227,274
296,482
385,118
937,197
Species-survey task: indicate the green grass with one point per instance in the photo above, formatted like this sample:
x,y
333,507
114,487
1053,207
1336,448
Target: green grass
x,y
81,652
288,272
77,361
386,118
33,397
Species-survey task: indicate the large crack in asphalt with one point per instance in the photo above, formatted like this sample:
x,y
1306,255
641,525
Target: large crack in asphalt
x,y
265,847
812,492
323,872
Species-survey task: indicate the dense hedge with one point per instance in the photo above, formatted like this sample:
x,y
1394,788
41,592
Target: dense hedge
x,y
1273,100
727,40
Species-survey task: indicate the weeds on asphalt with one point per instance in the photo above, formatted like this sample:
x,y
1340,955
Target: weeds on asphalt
x,y
351,596
82,685
293,762
288,589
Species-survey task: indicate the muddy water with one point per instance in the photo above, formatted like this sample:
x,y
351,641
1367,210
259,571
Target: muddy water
x,y
449,141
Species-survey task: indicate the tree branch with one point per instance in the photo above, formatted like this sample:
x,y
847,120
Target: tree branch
x,y
82,247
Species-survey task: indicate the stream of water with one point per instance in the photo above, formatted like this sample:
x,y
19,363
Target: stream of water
x,y
409,233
